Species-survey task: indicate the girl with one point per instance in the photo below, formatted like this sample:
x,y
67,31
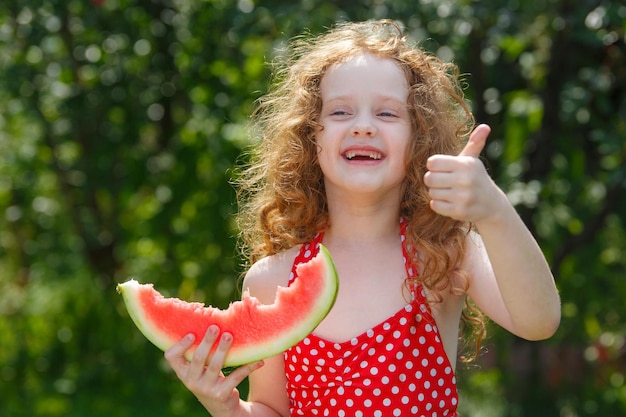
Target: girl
x,y
361,148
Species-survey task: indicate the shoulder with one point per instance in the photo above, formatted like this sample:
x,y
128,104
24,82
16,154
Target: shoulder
x,y
268,273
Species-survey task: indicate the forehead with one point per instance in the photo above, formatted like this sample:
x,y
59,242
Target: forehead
x,y
363,75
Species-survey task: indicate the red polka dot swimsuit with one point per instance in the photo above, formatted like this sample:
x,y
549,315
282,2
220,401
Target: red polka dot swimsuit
x,y
396,368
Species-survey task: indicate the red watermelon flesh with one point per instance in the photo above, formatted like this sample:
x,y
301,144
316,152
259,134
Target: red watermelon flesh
x,y
259,331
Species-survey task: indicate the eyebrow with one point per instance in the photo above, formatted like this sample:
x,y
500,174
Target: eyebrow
x,y
382,97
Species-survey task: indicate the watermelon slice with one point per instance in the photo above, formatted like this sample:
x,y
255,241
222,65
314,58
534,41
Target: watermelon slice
x,y
259,331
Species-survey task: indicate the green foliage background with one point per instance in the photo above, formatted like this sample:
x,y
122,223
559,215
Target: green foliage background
x,y
121,122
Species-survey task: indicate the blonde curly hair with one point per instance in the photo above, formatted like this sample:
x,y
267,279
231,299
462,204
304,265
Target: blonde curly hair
x,y
282,201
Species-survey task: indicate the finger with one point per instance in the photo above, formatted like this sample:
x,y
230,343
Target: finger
x,y
441,163
175,355
217,361
442,207
476,142
203,350
238,375
439,179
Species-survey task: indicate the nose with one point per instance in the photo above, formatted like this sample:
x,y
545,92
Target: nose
x,y
364,126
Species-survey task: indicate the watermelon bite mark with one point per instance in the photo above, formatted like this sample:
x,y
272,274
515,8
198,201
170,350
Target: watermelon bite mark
x,y
259,330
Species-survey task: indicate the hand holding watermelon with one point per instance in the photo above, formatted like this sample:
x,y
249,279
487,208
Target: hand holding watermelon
x,y
213,389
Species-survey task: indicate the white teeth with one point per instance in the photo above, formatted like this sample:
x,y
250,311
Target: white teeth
x,y
371,155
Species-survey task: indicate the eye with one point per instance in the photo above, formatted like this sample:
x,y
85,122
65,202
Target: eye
x,y
339,113
387,114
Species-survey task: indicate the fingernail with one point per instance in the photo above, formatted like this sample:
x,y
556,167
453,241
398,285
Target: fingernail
x,y
190,337
213,330
227,337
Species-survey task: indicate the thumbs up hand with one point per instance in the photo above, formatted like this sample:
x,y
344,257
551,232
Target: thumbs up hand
x,y
459,186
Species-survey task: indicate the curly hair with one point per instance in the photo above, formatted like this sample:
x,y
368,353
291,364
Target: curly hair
x,y
282,200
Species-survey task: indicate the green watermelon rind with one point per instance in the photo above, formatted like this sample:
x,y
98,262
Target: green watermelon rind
x,y
252,352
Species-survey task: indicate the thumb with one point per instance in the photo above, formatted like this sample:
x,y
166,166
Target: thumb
x,y
476,142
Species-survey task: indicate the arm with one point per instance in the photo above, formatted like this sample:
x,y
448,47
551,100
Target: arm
x,y
510,278
217,392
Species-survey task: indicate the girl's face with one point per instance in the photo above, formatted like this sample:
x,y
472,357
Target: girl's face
x,y
366,126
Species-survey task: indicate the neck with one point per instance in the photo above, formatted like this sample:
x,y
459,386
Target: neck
x,y
362,221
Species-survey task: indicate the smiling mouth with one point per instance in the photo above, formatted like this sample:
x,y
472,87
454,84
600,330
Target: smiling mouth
x,y
363,156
